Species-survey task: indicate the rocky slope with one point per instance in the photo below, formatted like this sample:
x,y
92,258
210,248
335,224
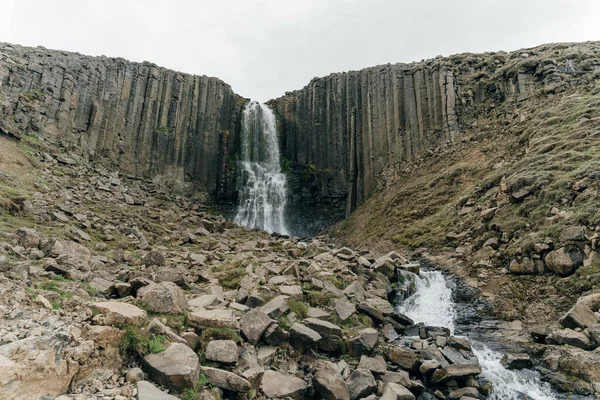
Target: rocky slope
x,y
107,280
148,121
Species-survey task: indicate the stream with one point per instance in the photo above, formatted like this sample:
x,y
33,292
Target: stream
x,y
432,304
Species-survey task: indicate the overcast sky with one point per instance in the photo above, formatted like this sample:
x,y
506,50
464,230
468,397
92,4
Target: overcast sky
x,y
264,48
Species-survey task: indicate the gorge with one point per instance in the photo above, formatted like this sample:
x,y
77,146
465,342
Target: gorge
x,y
115,254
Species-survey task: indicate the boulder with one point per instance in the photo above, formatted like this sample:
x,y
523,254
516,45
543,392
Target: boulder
x,y
344,309
361,383
116,313
394,391
572,234
455,371
213,319
276,307
406,359
579,316
154,258
253,324
164,298
328,382
464,393
223,351
225,380
277,385
376,365
428,366
565,260
134,375
147,391
302,337
28,238
516,361
570,337
331,334
364,343
176,368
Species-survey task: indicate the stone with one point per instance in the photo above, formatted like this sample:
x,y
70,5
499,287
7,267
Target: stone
x,y
147,391
164,298
207,300
364,343
213,318
344,309
372,312
328,382
253,324
579,316
386,267
171,275
225,380
118,314
191,339
516,361
428,366
406,359
154,258
28,238
570,337
275,336
276,307
464,393
44,302
376,365
176,368
302,337
277,385
318,313
292,291
134,375
455,371
564,261
331,334
389,332
223,351
572,234
459,343
394,391
361,383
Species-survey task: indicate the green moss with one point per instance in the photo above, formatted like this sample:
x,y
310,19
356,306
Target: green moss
x,y
298,307
231,278
318,298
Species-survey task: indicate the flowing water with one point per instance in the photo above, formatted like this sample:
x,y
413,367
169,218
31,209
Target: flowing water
x,y
263,193
431,303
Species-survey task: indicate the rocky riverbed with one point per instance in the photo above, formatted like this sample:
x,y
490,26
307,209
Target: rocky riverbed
x,y
116,288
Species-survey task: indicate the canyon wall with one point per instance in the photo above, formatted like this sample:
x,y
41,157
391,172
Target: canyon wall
x,y
339,132
338,135
149,121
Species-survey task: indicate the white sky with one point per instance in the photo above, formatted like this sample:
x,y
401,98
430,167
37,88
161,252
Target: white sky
x,y
264,48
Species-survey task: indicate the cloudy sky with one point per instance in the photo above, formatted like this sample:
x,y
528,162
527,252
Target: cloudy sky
x,y
264,48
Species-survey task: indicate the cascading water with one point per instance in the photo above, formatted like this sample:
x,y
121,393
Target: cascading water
x,y
431,303
263,193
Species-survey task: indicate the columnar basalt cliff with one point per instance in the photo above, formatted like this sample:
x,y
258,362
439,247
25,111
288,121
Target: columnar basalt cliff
x,y
149,121
348,126
341,131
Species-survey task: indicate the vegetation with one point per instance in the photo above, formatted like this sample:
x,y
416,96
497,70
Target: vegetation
x,y
136,343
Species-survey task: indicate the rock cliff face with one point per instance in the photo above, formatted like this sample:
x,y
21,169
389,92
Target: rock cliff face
x,y
149,121
340,131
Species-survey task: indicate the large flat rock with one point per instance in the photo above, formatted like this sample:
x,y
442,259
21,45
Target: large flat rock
x,y
176,368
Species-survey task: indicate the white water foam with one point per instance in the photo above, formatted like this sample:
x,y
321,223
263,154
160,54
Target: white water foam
x,y
432,304
263,193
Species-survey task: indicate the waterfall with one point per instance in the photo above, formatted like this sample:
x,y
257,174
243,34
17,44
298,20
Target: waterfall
x,y
432,304
262,197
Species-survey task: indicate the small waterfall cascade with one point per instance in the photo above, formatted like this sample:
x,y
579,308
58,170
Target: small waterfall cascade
x,y
431,303
262,197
